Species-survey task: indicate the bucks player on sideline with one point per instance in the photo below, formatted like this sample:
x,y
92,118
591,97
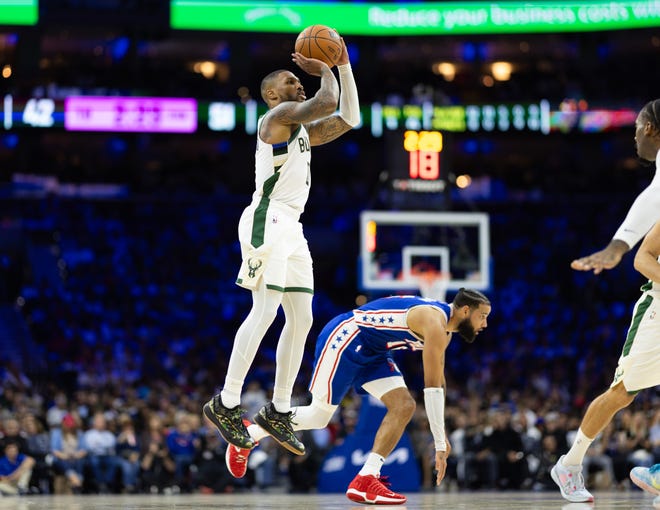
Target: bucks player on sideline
x,y
277,265
353,349
639,363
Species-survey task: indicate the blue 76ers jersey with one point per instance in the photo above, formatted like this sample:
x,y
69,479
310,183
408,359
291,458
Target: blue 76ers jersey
x,y
353,348
383,322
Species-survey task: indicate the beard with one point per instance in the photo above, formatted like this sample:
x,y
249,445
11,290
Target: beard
x,y
466,330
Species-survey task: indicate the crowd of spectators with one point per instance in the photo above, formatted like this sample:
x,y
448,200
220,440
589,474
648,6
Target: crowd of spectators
x,y
129,338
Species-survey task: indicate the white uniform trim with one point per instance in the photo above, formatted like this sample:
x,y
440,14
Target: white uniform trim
x,y
639,364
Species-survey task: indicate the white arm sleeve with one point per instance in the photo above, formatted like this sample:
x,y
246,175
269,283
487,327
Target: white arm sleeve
x,y
349,105
644,212
434,402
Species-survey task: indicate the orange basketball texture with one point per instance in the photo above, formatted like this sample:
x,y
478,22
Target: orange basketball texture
x,y
320,42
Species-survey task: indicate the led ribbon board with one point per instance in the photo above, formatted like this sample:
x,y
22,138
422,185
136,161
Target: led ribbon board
x,y
433,18
137,114
19,12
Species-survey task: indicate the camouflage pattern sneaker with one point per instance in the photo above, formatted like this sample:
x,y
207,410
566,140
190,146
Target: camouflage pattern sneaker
x,y
229,423
279,426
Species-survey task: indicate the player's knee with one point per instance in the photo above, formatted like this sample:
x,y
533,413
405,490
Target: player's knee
x,y
406,408
620,395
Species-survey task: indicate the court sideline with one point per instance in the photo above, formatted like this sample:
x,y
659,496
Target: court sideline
x,y
267,501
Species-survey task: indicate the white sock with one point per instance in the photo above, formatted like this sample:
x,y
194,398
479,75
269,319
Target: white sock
x,y
282,405
231,393
373,465
577,452
256,432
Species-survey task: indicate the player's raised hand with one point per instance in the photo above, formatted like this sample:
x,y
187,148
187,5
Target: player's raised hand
x,y
343,58
311,66
606,258
441,463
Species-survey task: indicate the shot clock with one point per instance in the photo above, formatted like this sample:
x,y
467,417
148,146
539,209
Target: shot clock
x,y
416,160
424,148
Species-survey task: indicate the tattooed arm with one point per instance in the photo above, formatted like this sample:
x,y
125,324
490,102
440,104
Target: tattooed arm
x,y
326,130
284,118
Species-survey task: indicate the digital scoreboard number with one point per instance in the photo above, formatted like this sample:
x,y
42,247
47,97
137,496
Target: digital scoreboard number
x,y
421,170
424,148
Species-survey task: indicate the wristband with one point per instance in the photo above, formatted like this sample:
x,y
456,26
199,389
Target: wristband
x,y
434,401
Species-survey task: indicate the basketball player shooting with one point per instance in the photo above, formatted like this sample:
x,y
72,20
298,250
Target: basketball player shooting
x,y
277,264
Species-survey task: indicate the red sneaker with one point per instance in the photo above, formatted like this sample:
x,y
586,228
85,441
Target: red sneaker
x,y
237,458
371,490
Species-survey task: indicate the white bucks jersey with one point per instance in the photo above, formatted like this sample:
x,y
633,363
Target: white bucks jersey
x,y
282,170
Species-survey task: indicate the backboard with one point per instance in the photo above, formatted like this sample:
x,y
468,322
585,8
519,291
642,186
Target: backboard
x,y
397,248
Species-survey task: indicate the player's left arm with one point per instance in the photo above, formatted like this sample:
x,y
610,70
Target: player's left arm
x,y
328,129
646,258
432,325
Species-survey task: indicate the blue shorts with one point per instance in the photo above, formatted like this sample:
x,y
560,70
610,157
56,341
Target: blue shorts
x,y
343,360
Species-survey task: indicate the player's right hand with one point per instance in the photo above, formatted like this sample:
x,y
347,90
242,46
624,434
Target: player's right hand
x,y
597,262
311,66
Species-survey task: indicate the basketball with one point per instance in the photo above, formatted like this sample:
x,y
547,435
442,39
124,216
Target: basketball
x,y
320,42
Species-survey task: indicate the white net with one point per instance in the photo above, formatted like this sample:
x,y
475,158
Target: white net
x,y
433,284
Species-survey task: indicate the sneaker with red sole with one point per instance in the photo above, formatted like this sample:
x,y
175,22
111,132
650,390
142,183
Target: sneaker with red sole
x,y
373,490
237,458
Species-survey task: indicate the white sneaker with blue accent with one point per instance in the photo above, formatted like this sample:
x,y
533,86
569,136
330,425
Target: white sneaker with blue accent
x,y
570,482
647,478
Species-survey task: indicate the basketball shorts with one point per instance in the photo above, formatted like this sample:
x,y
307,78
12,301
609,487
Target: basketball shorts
x,y
343,361
639,364
277,233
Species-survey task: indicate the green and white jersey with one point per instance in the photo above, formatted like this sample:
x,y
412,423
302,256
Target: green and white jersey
x,y
282,170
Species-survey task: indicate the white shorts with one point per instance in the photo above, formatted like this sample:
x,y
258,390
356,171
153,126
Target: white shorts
x,y
639,364
288,265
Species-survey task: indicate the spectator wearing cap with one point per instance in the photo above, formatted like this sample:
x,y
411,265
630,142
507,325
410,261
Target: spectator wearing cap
x,y
67,446
15,470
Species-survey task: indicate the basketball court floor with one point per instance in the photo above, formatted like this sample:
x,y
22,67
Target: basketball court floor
x,y
267,501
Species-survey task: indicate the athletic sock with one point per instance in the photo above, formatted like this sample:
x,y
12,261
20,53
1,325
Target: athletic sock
x,y
577,452
282,405
372,465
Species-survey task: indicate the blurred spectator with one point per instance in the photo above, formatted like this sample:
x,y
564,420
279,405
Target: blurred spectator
x,y
12,433
211,475
548,457
183,444
38,447
654,435
15,470
157,467
67,445
100,444
507,446
57,411
128,453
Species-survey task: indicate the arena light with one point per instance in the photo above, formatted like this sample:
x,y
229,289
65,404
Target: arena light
x,y
501,70
415,18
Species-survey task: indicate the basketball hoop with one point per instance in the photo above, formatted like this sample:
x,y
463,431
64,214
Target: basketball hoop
x,y
432,284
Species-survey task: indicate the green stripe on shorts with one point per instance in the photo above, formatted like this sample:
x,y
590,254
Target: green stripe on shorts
x,y
290,289
639,315
259,219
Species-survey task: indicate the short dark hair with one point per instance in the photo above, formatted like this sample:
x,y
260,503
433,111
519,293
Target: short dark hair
x,y
651,112
268,79
470,297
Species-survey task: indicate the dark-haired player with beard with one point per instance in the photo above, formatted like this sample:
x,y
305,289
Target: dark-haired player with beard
x,y
353,350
